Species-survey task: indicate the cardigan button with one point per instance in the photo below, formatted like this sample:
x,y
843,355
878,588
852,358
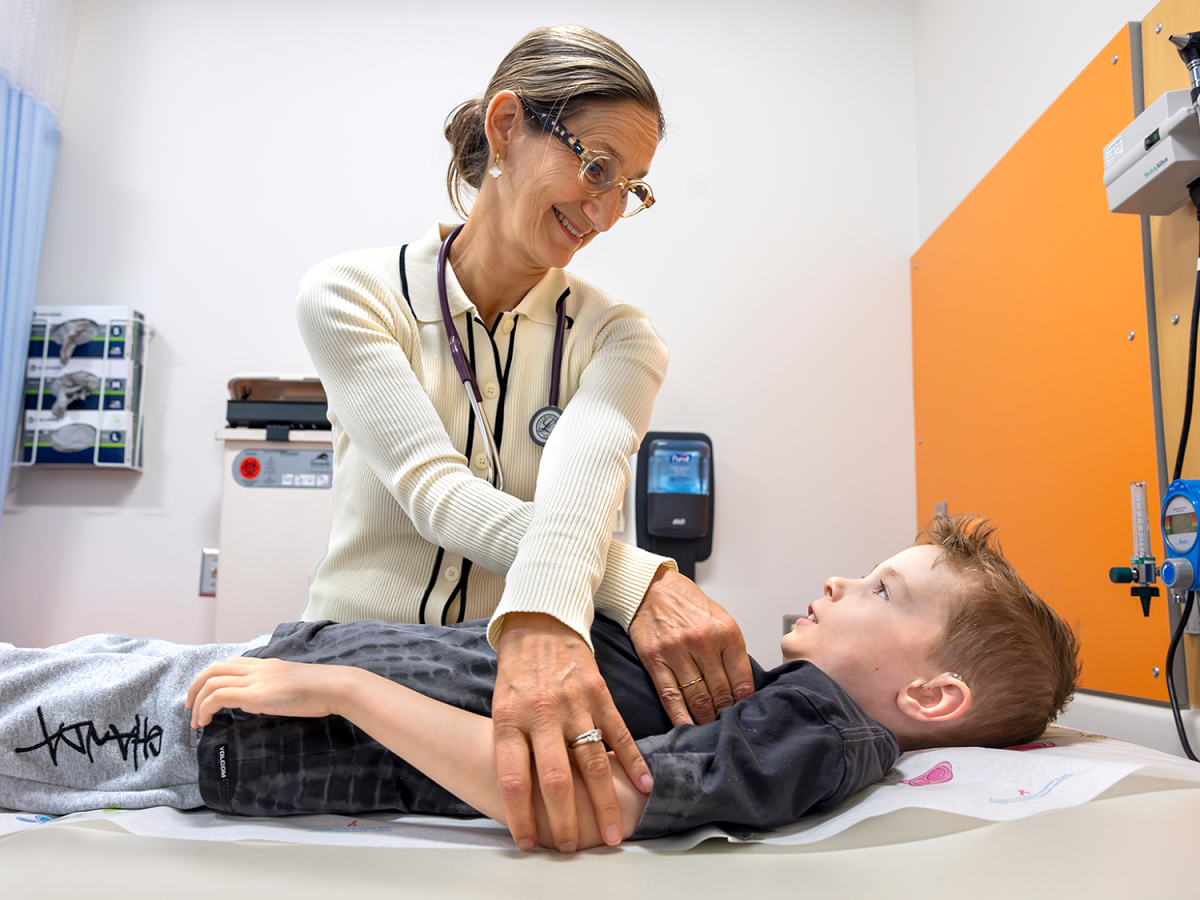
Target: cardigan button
x,y
491,390
481,460
452,574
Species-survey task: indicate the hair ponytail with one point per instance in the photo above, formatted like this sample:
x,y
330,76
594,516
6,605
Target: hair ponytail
x,y
469,150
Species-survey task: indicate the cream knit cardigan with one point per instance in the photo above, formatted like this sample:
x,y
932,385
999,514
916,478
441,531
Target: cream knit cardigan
x,y
415,523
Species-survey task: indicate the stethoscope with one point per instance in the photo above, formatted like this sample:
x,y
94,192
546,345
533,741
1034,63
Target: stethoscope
x,y
544,420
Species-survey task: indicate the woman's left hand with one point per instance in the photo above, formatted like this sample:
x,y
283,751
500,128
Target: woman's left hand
x,y
692,648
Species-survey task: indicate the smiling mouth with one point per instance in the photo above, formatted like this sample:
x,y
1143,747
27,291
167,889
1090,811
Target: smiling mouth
x,y
567,224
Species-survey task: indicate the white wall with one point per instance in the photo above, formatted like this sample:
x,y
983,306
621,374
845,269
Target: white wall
x,y
212,152
985,72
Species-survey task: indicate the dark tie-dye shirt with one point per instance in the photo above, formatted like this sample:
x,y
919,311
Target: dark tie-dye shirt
x,y
798,745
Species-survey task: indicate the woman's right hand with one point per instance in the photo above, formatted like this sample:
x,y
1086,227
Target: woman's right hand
x,y
548,692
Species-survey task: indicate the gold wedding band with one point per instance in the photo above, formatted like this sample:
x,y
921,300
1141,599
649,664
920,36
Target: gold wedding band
x,y
693,681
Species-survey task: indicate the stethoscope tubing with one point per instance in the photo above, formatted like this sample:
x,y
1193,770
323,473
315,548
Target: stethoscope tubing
x,y
560,327
456,350
467,374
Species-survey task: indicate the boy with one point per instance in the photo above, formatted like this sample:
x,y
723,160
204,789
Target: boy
x,y
941,644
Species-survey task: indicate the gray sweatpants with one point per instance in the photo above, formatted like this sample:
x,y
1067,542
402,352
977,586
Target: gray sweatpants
x,y
99,722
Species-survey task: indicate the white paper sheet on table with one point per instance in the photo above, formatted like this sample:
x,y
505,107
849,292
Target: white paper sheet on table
x,y
1066,768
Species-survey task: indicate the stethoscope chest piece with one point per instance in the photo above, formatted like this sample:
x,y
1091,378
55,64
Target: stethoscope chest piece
x,y
542,424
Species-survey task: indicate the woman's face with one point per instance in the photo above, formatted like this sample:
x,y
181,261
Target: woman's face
x,y
547,212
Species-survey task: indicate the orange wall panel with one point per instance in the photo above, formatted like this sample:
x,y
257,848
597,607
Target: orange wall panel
x,y
1032,403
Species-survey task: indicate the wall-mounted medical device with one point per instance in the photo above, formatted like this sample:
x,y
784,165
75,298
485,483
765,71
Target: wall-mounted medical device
x,y
1182,549
1179,528
1149,166
276,502
1143,571
675,497
1181,545
278,403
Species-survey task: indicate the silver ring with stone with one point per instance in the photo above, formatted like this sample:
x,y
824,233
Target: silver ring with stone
x,y
588,737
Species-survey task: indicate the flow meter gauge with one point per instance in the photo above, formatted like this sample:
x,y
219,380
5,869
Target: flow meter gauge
x,y
1180,532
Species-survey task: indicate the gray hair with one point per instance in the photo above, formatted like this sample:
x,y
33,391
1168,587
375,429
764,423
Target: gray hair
x,y
560,68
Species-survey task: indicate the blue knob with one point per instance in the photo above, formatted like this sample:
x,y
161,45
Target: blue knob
x,y
1178,574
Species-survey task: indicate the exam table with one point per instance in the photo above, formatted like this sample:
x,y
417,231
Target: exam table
x,y
1131,839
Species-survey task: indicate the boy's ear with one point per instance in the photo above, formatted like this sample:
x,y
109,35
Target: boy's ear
x,y
940,700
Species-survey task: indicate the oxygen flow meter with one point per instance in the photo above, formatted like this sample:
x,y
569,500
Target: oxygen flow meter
x,y
1142,571
1179,528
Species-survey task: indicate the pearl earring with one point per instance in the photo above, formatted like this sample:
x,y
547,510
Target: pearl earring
x,y
494,171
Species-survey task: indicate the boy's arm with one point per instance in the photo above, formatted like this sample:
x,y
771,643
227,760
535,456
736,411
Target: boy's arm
x,y
451,746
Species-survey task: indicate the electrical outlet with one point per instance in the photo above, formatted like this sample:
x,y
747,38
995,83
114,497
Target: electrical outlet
x,y
789,621
208,572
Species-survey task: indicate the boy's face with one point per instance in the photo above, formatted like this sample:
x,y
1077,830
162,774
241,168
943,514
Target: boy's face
x,y
873,635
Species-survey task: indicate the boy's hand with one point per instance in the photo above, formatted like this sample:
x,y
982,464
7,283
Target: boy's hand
x,y
271,687
692,648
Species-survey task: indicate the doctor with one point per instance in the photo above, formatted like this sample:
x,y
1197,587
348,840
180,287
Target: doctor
x,y
484,404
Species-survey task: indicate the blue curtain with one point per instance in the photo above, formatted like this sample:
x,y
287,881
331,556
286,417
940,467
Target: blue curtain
x,y
29,142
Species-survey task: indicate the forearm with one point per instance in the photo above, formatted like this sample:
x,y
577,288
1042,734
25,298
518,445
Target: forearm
x,y
628,574
455,748
565,553
365,344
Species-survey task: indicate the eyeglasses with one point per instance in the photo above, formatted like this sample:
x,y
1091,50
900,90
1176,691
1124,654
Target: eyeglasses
x,y
598,173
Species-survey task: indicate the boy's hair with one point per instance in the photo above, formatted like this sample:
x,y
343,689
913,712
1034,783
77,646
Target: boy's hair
x,y
1019,658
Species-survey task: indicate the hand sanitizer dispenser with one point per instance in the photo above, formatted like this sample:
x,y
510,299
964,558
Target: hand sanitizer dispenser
x,y
675,489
